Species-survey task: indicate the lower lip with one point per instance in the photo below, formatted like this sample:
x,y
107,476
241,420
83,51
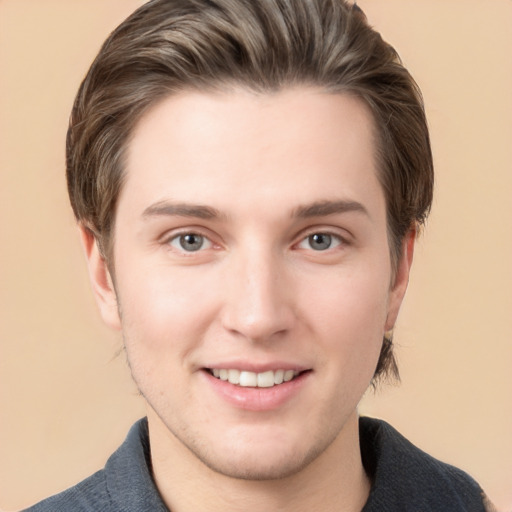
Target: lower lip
x,y
257,399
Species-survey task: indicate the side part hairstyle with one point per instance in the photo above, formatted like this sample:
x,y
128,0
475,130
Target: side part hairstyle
x,y
168,46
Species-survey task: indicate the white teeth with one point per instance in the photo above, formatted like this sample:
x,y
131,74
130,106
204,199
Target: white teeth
x,y
234,376
251,379
248,379
266,379
279,377
288,375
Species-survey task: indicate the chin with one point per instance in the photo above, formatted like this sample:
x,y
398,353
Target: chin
x,y
256,469
260,459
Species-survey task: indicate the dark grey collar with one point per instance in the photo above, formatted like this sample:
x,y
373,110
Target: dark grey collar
x,y
406,478
129,474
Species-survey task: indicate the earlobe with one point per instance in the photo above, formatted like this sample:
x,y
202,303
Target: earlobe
x,y
101,280
401,279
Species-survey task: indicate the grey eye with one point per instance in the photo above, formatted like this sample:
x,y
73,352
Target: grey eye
x,y
190,242
320,241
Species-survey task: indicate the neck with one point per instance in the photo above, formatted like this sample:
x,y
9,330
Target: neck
x,y
335,479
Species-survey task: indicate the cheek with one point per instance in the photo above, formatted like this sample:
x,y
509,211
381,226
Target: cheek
x,y
351,313
160,330
160,308
357,299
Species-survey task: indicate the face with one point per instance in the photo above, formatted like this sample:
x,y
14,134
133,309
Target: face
x,y
251,245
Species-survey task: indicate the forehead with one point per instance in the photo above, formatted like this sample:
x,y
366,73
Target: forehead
x,y
225,147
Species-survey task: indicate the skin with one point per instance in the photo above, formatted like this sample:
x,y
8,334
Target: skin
x,y
253,177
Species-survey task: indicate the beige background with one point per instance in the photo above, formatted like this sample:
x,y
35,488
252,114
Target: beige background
x,y
66,401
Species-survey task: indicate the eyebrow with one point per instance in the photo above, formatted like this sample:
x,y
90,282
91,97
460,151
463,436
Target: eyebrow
x,y
322,208
165,208
316,209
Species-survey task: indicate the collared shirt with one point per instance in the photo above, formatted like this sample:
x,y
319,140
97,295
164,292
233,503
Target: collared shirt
x,y
403,478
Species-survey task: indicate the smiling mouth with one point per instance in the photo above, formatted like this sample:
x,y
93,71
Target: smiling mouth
x,y
244,378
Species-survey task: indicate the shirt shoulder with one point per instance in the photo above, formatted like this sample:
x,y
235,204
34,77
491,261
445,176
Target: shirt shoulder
x,y
89,495
124,485
406,478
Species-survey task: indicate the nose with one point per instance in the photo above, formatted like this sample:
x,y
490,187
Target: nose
x,y
258,303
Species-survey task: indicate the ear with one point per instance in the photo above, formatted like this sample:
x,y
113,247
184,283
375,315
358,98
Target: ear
x,y
401,278
101,280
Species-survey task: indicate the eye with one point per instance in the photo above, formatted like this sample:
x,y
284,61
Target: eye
x,y
190,242
320,242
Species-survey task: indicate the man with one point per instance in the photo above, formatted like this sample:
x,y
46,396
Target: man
x,y
248,179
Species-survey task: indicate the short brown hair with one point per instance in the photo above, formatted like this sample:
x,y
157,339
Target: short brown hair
x,y
167,46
